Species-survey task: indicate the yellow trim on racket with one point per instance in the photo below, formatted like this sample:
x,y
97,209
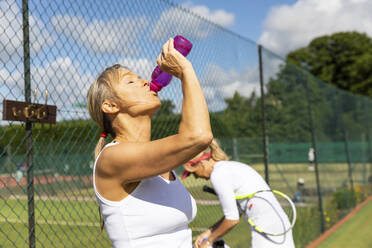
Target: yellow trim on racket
x,y
244,196
275,192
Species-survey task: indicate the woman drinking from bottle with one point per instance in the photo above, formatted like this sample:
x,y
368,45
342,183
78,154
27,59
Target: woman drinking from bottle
x,y
142,202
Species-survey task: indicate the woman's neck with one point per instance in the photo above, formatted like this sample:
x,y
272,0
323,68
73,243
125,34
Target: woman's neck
x,y
132,129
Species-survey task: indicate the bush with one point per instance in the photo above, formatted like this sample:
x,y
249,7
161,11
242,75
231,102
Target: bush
x,y
346,198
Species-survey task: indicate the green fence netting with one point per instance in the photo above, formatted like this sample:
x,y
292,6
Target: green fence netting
x,y
70,42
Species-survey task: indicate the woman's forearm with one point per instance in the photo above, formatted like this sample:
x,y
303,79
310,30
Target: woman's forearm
x,y
195,116
222,227
216,225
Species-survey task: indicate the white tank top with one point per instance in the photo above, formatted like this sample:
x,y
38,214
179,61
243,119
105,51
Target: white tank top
x,y
156,214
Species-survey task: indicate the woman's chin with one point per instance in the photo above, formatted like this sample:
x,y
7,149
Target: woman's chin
x,y
148,109
156,106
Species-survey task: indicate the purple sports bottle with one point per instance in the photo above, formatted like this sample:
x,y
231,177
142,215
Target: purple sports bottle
x,y
160,79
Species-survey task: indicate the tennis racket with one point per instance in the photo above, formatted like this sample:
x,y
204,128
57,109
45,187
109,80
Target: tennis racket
x,y
266,202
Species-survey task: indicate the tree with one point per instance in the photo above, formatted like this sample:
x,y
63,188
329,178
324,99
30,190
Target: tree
x,y
242,115
343,59
166,108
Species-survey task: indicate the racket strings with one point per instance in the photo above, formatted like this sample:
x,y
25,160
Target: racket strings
x,y
269,213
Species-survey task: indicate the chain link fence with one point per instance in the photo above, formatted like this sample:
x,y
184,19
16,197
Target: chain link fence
x,y
53,50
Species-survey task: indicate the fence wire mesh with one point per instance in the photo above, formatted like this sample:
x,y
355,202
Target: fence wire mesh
x,y
304,113
71,42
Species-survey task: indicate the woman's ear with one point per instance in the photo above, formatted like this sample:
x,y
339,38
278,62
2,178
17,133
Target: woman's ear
x,y
109,107
189,167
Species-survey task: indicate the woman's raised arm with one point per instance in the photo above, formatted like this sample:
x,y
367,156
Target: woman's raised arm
x,y
133,161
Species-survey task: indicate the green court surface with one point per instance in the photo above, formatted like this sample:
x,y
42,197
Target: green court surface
x,y
62,223
58,224
356,232
70,217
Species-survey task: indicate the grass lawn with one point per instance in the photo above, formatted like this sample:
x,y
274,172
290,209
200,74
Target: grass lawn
x,y
70,222
75,224
58,224
356,232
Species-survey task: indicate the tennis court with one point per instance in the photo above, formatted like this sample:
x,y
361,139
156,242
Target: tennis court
x,y
69,43
355,232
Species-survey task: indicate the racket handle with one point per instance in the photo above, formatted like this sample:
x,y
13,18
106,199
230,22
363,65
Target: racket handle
x,y
205,239
209,190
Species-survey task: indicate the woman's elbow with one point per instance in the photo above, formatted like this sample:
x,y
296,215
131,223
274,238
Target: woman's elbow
x,y
232,223
208,138
204,139
201,139
235,222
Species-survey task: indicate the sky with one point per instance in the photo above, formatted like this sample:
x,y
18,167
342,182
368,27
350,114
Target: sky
x,y
244,17
285,25
71,41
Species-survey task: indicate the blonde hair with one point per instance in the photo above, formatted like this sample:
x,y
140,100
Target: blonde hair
x,y
217,153
99,91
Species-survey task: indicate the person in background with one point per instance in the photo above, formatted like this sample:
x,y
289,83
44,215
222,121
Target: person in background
x,y
311,157
142,202
231,178
298,197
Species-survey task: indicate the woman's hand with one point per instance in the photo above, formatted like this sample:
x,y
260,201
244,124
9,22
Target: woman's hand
x,y
203,237
171,61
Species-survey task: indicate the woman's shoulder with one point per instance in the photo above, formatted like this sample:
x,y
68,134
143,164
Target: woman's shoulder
x,y
220,168
226,167
228,163
107,154
104,149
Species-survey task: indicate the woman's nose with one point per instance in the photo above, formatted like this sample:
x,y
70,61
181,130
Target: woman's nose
x,y
146,83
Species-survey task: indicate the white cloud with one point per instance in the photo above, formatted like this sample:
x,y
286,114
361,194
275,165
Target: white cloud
x,y
176,21
219,84
219,17
140,66
11,36
67,86
227,82
289,27
116,36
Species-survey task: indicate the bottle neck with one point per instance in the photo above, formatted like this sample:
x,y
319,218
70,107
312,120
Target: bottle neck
x,y
154,87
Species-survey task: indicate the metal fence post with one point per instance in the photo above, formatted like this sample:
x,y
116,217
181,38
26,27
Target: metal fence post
x,y
320,201
349,166
364,158
369,151
29,159
235,149
263,122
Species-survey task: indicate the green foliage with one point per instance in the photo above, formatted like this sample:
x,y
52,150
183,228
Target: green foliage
x,y
220,127
343,59
346,198
307,227
286,107
242,116
293,89
165,125
66,136
166,108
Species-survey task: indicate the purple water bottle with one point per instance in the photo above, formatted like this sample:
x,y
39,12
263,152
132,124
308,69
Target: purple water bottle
x,y
160,79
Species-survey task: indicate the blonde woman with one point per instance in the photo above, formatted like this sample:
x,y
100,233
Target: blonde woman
x,y
141,200
229,179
